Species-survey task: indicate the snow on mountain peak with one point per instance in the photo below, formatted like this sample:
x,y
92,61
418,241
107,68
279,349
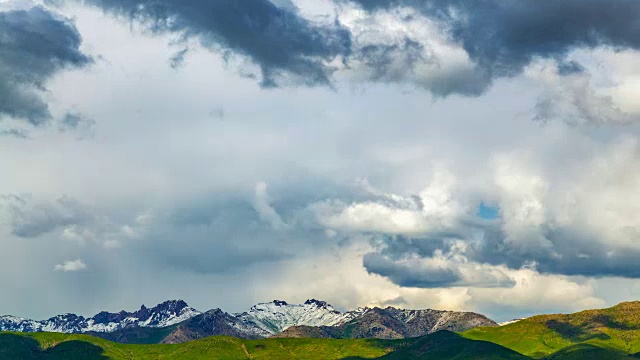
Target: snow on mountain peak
x,y
274,317
164,314
318,303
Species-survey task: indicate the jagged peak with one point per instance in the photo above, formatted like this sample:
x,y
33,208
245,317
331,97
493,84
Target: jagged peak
x,y
180,304
318,303
215,311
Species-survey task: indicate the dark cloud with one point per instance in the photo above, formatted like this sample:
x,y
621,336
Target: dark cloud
x,y
567,252
285,46
34,45
570,252
30,219
503,36
500,37
409,275
394,62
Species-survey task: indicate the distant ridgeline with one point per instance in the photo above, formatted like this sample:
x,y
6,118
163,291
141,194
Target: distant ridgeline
x,y
176,322
321,332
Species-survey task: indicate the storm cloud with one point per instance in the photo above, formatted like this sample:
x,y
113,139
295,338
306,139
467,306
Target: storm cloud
x,y
35,44
285,46
445,47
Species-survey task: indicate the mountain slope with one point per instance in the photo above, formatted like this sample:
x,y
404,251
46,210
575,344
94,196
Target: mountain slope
x,y
588,352
165,314
391,323
616,328
261,321
441,345
451,346
274,317
174,322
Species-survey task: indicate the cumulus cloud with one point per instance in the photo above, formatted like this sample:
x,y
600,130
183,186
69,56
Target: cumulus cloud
x,y
72,265
534,293
597,92
447,47
34,46
529,292
455,46
575,224
431,210
436,272
402,46
505,36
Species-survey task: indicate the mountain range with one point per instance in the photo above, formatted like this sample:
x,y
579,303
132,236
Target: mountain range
x,y
176,322
600,334
165,314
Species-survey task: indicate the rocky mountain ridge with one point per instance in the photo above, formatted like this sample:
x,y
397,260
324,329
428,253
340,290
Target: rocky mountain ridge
x,y
165,314
392,323
176,322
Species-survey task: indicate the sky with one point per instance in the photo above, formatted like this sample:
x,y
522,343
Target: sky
x,y
479,156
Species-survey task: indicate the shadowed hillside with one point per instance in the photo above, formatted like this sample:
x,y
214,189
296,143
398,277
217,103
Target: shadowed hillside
x,y
616,328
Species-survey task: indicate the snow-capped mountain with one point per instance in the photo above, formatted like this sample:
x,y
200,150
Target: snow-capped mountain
x,y
262,320
165,314
392,323
274,317
314,318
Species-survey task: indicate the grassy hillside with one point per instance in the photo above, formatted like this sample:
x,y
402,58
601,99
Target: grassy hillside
x,y
588,352
60,346
615,328
451,346
441,345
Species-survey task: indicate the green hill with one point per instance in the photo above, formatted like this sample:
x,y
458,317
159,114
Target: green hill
x,y
588,352
451,346
441,345
615,328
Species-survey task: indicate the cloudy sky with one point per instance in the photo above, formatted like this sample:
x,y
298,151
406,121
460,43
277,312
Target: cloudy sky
x,y
450,154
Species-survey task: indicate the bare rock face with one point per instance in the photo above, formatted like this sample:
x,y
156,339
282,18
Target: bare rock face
x,y
392,323
213,322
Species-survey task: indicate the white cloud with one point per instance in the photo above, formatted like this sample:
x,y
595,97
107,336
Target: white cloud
x,y
535,293
404,47
435,207
74,265
262,204
598,88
